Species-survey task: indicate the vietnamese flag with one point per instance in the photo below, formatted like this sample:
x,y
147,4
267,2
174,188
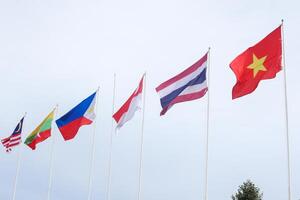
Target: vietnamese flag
x,y
40,133
259,62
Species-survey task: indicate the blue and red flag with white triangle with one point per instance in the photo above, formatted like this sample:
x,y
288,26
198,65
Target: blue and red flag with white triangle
x,y
82,114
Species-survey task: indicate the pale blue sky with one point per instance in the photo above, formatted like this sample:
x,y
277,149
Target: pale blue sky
x,y
61,51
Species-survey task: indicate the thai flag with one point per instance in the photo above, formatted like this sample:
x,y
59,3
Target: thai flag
x,y
188,85
82,114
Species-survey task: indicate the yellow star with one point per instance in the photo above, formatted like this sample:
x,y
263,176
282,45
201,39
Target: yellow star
x,y
257,65
91,109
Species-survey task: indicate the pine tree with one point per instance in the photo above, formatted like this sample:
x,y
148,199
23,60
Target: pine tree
x,y
248,191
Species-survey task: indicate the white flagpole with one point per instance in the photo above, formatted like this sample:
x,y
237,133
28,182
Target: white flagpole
x,y
207,126
93,148
142,140
111,141
17,174
51,161
18,167
286,116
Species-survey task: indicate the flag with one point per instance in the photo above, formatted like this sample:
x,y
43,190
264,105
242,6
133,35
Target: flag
x,y
82,114
187,86
259,62
15,138
40,133
127,110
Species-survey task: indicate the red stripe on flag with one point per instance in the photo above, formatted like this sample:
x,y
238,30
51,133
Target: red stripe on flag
x,y
183,98
70,130
42,136
124,108
186,72
12,144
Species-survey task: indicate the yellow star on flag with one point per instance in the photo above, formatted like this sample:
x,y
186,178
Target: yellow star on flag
x,y
257,65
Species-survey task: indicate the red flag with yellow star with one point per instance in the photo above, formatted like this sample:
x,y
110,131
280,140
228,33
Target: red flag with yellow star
x,y
259,62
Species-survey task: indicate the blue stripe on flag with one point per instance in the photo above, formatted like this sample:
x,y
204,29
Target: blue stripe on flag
x,y
76,112
166,100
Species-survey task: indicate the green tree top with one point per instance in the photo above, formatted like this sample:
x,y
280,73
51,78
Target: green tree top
x,y
247,191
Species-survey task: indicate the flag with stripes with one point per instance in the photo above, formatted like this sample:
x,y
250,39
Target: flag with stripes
x,y
15,138
189,85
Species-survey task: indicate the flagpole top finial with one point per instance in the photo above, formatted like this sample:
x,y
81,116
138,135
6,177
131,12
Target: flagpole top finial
x,y
282,21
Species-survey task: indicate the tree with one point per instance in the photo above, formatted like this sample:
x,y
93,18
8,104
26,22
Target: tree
x,y
248,191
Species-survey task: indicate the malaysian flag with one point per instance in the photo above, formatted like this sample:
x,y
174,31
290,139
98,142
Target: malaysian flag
x,y
189,85
15,138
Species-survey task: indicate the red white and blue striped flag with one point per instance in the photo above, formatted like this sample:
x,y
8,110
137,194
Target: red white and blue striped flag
x,y
15,138
189,85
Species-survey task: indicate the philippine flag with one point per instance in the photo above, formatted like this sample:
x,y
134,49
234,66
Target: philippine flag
x,y
82,114
127,110
188,85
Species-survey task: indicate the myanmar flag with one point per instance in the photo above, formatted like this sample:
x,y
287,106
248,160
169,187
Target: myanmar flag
x,y
41,133
259,62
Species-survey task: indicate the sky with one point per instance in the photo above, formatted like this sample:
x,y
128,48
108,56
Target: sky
x,y
59,52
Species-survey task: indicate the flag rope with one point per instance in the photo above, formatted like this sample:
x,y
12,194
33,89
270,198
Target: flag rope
x,y
142,140
286,116
111,142
207,126
93,148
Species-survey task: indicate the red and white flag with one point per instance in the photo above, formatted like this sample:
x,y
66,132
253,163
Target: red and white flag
x,y
15,138
127,110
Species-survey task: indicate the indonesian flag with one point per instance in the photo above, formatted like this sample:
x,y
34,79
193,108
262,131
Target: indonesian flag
x,y
127,110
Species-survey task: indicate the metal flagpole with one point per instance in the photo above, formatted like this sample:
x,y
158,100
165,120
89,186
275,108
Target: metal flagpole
x,y
17,174
207,126
18,169
142,140
111,141
93,148
286,116
51,161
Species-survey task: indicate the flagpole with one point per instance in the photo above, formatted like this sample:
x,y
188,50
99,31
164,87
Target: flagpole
x,y
93,148
286,116
17,174
18,168
142,140
51,160
111,141
207,126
